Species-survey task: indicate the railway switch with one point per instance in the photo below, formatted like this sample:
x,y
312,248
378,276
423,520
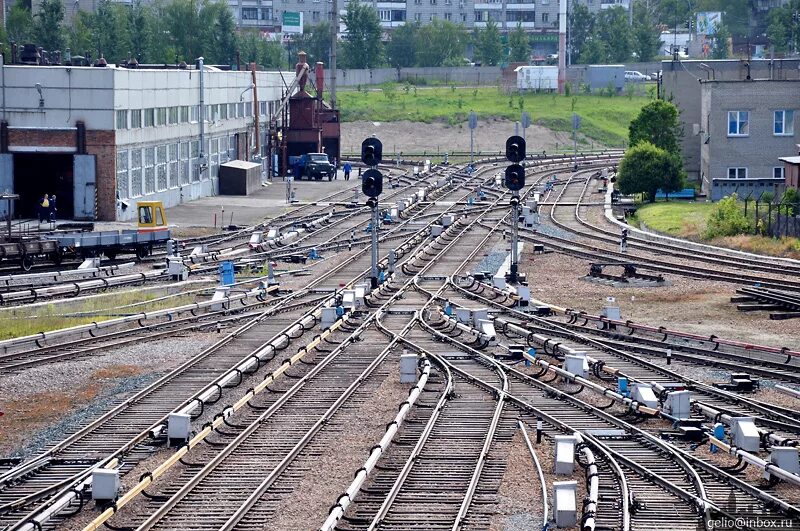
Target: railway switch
x,y
784,457
565,455
178,428
643,393
678,404
408,368
566,511
744,434
576,364
105,485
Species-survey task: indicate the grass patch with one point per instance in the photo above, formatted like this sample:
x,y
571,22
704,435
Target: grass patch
x,y
685,220
688,220
604,119
23,321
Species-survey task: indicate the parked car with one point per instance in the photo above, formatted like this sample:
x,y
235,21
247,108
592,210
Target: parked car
x,y
312,166
633,75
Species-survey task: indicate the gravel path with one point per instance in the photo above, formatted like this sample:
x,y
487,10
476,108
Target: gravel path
x,y
43,404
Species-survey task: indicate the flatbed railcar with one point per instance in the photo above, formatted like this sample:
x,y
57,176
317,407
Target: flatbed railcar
x,y
55,247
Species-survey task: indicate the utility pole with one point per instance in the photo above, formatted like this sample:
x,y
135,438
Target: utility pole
x,y
334,38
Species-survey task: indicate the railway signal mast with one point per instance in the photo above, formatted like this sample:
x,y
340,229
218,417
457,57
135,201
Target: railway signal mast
x,y
372,186
515,181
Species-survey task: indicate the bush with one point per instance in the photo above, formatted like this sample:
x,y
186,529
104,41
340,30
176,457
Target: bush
x,y
727,219
766,197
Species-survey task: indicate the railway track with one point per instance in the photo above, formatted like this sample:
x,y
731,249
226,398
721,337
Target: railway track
x,y
446,462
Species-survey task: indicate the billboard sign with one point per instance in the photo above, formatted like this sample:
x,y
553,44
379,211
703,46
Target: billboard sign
x,y
292,22
708,22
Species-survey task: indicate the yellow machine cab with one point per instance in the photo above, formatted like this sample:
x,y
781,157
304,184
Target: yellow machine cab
x,y
151,216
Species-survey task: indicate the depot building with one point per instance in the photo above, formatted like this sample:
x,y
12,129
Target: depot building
x,y
100,138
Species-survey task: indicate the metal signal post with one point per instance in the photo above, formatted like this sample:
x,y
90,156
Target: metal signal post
x,y
372,186
515,181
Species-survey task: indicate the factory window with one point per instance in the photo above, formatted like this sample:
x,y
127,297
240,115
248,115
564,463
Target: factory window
x,y
184,114
315,14
122,175
231,110
173,165
479,16
223,149
173,115
161,116
232,154
149,117
738,123
463,17
136,172
122,119
195,117
240,109
262,108
448,16
136,118
161,168
184,162
195,160
417,17
149,170
249,13
223,111
778,172
266,13
737,173
784,123
545,17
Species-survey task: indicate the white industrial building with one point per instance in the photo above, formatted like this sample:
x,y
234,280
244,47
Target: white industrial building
x,y
98,137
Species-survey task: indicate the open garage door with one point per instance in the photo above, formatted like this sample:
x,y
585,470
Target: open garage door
x,y
36,174
85,187
6,180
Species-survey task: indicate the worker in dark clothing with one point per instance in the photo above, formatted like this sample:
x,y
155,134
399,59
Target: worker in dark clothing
x,y
623,242
347,169
44,208
53,208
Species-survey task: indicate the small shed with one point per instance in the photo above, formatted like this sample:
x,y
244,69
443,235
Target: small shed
x,y
239,177
791,171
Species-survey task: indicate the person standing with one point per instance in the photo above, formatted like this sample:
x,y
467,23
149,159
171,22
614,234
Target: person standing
x,y
44,208
53,208
347,170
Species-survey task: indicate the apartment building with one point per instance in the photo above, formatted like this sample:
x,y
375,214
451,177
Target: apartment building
x,y
681,84
101,138
746,127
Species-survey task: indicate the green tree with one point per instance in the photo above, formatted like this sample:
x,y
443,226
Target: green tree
x,y
19,24
780,28
656,123
219,44
647,168
519,44
111,36
646,38
254,48
720,49
80,34
316,42
402,48
594,51
441,43
488,44
612,28
138,15
362,47
186,28
581,29
48,25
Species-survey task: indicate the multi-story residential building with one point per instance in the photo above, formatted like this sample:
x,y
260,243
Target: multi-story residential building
x,y
681,83
100,137
747,125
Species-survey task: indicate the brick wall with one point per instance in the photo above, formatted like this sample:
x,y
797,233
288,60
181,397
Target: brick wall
x,y
102,144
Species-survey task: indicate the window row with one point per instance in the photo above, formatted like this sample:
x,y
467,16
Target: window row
x,y
782,123
778,172
144,171
159,116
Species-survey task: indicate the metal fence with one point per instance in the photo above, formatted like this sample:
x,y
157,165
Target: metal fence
x,y
773,218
